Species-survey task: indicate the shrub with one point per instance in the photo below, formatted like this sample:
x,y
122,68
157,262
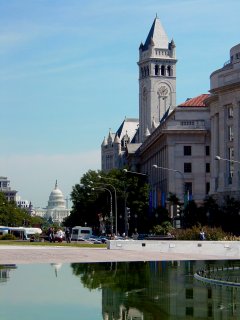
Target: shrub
x,y
193,233
8,236
163,229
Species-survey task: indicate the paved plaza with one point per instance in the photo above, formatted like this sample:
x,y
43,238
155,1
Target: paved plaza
x,y
10,254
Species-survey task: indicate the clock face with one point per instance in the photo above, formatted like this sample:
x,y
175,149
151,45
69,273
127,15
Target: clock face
x,y
163,91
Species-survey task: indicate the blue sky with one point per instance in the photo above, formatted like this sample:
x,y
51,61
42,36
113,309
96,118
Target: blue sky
x,y
68,73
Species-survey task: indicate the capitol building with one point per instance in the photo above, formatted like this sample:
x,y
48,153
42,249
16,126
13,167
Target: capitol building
x,y
56,209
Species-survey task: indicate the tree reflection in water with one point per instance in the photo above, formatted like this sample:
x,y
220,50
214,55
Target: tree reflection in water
x,y
157,290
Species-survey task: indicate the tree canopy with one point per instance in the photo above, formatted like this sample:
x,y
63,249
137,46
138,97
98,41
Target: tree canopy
x,y
91,199
13,216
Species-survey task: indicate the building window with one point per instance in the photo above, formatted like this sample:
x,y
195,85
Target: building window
x,y
187,167
230,165
209,293
207,167
210,310
189,311
169,71
231,153
230,133
189,293
188,188
187,150
230,111
207,187
207,150
162,70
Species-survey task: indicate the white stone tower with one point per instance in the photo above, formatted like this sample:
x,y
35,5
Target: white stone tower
x,y
157,78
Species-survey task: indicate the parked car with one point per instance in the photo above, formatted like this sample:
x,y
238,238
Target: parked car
x,y
142,236
95,240
104,239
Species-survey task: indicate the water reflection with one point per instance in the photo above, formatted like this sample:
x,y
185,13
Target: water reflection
x,y
117,291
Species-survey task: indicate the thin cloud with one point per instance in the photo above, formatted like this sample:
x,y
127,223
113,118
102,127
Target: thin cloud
x,y
34,175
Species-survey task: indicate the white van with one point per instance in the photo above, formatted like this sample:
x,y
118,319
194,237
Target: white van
x,y
81,233
20,232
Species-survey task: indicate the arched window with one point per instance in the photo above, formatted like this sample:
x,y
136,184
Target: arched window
x,y
169,71
162,70
156,69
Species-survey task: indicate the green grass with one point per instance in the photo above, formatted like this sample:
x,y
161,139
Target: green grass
x,y
49,244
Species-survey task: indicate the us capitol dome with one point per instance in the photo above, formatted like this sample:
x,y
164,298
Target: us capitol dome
x,y
56,209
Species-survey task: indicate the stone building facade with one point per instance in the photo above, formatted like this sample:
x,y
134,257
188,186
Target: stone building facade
x,y
182,140
5,188
176,156
56,209
157,78
224,105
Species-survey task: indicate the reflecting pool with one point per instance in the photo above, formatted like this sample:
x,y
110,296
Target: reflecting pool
x,y
135,290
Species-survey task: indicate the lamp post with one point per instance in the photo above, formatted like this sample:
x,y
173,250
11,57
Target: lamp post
x,y
176,171
115,196
126,214
224,159
111,216
230,165
134,172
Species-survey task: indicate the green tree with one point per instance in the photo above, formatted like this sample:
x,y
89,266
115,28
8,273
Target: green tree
x,y
89,204
11,215
231,215
191,214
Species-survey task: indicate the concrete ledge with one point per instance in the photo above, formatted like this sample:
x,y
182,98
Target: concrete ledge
x,y
226,248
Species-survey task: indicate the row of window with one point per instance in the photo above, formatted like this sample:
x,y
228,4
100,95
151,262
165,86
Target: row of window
x,y
163,70
3,184
158,71
188,167
187,150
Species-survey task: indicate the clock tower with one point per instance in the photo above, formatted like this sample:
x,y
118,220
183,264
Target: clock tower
x,y
157,78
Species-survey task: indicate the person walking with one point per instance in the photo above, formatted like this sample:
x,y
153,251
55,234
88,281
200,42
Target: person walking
x,y
51,236
202,235
67,235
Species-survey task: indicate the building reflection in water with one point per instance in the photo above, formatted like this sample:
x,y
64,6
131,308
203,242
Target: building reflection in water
x,y
57,267
158,290
5,270
134,290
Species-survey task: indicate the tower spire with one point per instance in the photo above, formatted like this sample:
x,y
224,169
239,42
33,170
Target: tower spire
x,y
157,77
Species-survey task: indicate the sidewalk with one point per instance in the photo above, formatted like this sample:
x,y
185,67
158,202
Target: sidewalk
x,y
37,254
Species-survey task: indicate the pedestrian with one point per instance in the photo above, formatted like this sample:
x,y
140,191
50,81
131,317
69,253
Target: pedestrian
x,y
51,236
202,235
59,235
67,235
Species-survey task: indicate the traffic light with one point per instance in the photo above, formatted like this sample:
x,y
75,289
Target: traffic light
x,y
178,209
128,212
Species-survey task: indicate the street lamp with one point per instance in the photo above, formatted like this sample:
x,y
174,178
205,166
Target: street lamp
x,y
174,170
115,195
134,172
125,198
224,159
111,217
